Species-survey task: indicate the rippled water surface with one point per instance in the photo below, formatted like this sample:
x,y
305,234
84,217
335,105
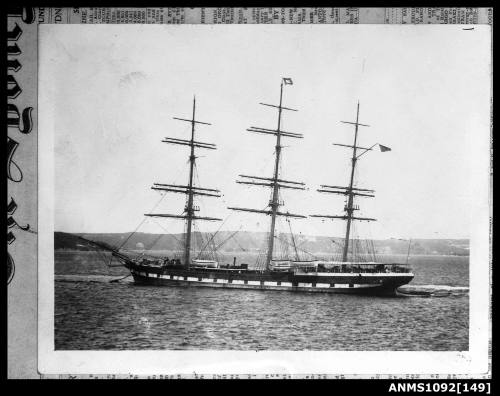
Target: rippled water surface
x,y
92,314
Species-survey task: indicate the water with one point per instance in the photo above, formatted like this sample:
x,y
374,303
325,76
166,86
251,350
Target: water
x,y
93,314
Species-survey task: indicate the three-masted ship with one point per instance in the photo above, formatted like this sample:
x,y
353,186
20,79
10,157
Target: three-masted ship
x,y
345,275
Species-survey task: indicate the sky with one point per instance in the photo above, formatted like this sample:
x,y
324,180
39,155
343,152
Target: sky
x,y
111,92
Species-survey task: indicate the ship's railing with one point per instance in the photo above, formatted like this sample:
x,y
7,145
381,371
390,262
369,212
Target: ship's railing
x,y
358,268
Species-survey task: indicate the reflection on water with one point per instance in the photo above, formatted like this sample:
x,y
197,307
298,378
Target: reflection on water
x,y
92,313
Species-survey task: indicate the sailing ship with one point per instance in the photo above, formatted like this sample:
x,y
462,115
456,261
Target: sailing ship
x,y
351,273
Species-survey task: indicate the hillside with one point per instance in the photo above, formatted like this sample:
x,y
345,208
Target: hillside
x,y
254,241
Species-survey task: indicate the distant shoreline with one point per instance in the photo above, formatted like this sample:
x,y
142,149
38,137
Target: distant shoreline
x,y
256,254
253,243
264,233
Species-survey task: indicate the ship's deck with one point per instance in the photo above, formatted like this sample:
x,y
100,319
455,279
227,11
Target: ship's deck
x,y
345,268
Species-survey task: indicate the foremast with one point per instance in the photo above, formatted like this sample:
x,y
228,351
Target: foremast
x,y
350,192
190,190
276,183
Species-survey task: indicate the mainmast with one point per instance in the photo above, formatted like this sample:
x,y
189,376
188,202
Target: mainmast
x,y
275,182
190,190
350,192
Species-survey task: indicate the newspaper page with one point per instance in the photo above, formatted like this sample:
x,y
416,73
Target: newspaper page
x,y
96,291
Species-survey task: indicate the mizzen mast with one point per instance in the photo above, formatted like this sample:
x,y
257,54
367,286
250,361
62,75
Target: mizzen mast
x,y
350,192
190,190
275,182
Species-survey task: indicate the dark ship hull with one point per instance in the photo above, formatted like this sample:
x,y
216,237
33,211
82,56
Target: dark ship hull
x,y
374,283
